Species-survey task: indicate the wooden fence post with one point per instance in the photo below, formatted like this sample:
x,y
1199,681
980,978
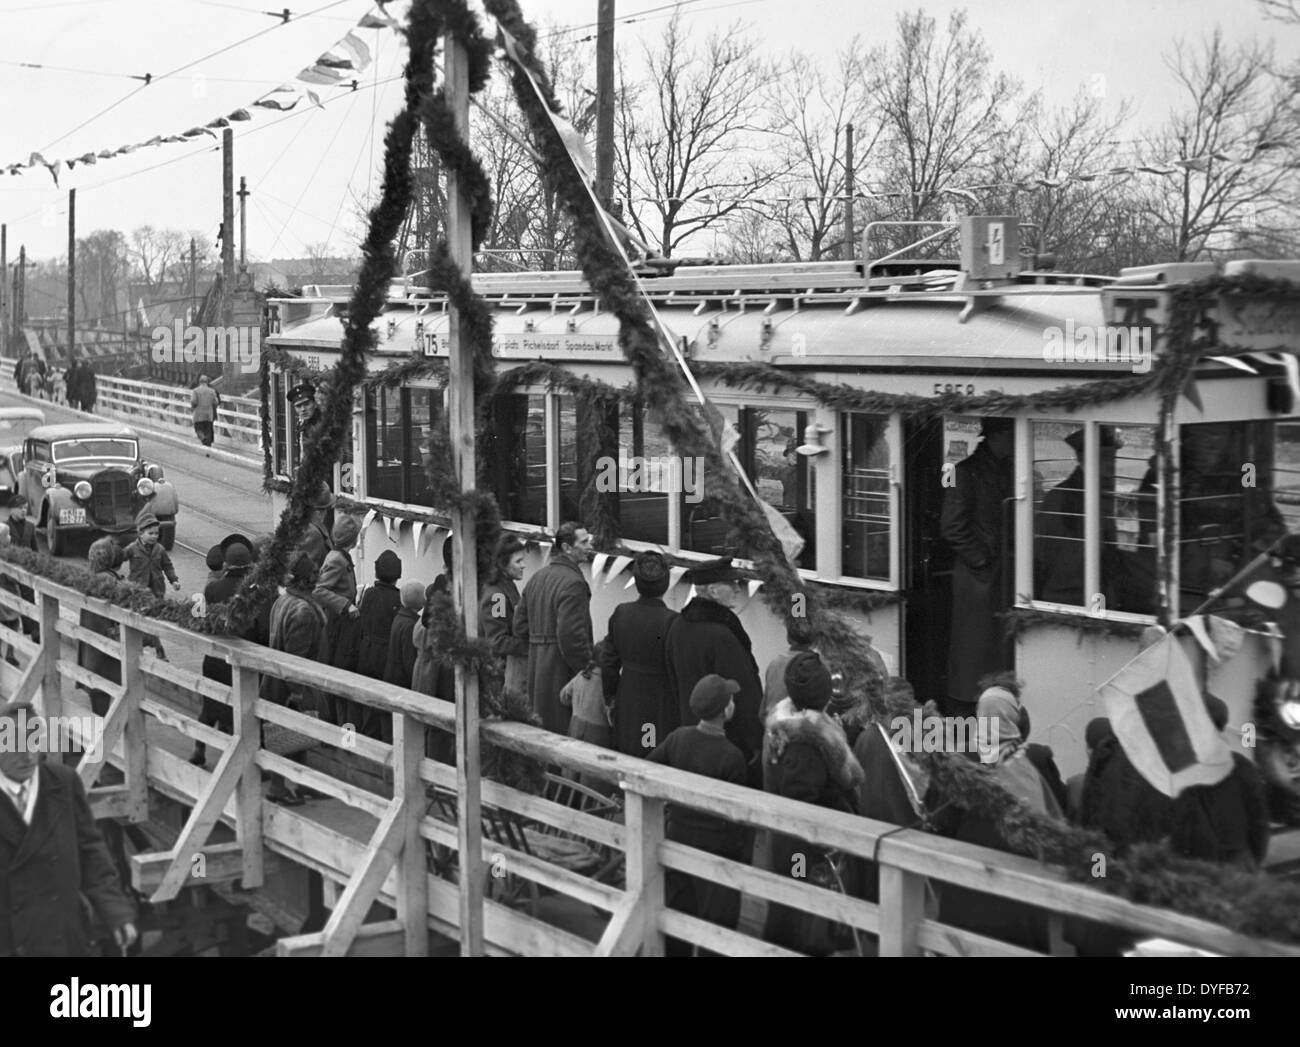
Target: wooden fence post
x,y
248,793
412,866
51,647
133,735
902,908
645,876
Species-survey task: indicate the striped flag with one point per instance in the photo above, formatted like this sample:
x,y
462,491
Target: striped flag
x,y
1158,713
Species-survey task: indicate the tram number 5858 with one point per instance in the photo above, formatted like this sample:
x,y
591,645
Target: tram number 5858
x,y
954,387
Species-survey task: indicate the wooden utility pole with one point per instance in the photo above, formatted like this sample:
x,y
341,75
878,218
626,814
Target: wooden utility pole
x,y
243,224
227,218
849,246
194,280
460,389
72,275
605,103
4,287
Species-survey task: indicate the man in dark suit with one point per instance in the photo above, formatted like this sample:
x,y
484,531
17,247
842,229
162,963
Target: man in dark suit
x,y
973,522
554,616
707,637
51,855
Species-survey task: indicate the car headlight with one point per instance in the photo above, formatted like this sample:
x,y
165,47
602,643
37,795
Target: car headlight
x,y
145,487
82,490
154,472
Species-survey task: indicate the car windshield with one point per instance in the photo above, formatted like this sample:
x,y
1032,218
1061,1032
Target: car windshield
x,y
13,431
91,447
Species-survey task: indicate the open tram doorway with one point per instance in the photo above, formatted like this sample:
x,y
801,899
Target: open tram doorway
x,y
933,448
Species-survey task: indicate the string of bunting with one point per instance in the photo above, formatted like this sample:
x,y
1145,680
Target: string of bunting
x,y
337,67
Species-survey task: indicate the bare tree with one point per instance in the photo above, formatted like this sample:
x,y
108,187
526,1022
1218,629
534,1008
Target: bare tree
x,y
102,264
688,141
154,250
945,114
812,107
1233,149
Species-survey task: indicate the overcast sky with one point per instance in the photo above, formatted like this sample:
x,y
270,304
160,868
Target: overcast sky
x,y
304,169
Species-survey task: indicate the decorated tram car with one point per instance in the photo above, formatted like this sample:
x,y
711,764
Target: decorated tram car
x,y
855,389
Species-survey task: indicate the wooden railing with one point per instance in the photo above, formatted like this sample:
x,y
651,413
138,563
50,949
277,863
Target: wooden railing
x,y
239,418
533,845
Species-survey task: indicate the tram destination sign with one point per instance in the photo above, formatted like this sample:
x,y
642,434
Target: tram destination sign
x,y
1258,323
564,346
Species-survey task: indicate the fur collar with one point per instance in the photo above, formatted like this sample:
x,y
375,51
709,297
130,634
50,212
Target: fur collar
x,y
788,723
703,610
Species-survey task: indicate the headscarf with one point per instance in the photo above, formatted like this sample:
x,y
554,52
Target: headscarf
x,y
1002,746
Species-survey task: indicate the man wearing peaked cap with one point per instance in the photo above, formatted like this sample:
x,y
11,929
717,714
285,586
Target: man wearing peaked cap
x,y
633,672
707,637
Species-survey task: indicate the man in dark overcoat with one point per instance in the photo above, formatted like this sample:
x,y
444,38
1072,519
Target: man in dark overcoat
x,y
634,672
975,509
52,856
554,616
707,637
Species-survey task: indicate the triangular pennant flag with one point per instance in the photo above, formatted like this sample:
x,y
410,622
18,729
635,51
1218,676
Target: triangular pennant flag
x,y
378,19
327,61
54,170
314,99
1227,636
35,159
320,75
630,582
417,532
71,163
87,158
690,594
1193,394
619,566
1196,626
220,121
792,542
675,575
355,48
388,527
1159,716
598,564
755,584
240,114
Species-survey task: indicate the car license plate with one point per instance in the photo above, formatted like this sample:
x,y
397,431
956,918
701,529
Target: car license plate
x,y
72,516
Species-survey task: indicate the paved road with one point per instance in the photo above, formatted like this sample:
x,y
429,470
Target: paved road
x,y
217,498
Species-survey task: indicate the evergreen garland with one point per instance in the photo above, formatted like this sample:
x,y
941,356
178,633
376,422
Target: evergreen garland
x,y
1019,620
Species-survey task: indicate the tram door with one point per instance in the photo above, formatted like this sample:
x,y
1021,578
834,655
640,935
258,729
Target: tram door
x,y
928,559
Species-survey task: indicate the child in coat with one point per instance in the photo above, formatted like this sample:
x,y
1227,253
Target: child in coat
x,y
586,696
147,560
400,666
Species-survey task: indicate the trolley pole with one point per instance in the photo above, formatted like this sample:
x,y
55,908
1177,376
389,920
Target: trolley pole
x,y
227,220
460,388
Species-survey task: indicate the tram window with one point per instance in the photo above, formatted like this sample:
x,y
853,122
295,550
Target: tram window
x,y
384,439
1128,511
866,490
645,478
280,412
703,528
1286,472
422,407
1227,513
519,457
768,439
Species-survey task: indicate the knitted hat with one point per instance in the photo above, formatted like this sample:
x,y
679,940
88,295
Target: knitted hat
x,y
216,558
710,696
104,555
388,567
650,570
144,520
808,681
345,532
238,558
413,596
1097,731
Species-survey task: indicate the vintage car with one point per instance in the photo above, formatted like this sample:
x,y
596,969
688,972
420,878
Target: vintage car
x,y
15,424
90,479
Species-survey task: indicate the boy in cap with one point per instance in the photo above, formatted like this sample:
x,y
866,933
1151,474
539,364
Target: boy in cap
x,y
147,561
216,561
704,749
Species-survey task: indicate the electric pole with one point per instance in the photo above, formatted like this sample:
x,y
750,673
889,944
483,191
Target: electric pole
x,y
4,288
72,275
194,281
849,246
243,225
605,103
227,219
20,292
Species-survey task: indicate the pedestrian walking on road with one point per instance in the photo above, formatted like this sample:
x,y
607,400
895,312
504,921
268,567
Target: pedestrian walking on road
x,y
204,401
72,384
88,388
150,565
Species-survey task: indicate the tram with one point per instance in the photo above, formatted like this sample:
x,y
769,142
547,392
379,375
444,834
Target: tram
x,y
865,488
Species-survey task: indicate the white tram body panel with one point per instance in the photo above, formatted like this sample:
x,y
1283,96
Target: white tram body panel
x,y
868,505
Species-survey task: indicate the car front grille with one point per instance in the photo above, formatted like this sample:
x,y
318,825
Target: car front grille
x,y
111,503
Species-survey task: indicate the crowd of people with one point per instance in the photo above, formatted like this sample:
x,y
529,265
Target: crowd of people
x,y
77,386
685,690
